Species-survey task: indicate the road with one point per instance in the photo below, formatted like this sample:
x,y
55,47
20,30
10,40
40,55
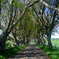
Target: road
x,y
31,52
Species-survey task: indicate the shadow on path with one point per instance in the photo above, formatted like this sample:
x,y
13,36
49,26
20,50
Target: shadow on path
x,y
31,52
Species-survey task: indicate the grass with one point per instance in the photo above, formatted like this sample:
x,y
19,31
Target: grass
x,y
11,52
52,53
55,42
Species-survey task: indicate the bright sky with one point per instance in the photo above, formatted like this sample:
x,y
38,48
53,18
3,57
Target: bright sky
x,y
56,35
1,31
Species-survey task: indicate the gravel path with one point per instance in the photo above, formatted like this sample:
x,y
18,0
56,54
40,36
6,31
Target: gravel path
x,y
31,52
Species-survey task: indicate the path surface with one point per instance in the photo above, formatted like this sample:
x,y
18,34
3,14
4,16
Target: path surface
x,y
31,52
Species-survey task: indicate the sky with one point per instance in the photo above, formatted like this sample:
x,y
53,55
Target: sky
x,y
56,34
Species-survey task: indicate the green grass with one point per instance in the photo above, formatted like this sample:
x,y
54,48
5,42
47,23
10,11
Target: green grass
x,y
11,52
52,53
55,42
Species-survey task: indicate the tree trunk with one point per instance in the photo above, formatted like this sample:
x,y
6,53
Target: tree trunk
x,y
38,40
3,39
2,44
17,42
49,39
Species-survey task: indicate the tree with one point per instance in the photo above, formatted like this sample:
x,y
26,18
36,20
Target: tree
x,y
39,25
13,21
52,22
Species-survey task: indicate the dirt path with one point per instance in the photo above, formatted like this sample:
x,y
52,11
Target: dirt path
x,y
31,52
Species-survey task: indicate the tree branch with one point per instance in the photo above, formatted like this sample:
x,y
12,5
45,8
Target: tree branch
x,y
30,5
48,6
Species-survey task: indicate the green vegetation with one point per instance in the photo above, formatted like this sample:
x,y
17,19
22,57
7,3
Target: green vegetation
x,y
11,51
54,52
55,42
22,21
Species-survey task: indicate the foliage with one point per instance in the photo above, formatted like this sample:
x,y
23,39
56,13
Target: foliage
x,y
26,22
11,51
18,4
52,53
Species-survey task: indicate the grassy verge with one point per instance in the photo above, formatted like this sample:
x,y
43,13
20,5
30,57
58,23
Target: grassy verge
x,y
55,42
11,51
52,53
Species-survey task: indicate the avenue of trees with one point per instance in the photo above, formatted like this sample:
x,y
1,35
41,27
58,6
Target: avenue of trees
x,y
24,20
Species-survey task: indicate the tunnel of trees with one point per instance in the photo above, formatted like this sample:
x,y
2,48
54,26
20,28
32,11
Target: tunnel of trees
x,y
24,20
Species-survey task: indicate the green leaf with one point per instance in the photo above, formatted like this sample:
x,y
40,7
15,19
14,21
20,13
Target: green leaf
x,y
18,4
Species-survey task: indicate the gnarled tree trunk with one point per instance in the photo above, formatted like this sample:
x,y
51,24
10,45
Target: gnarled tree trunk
x,y
49,39
3,38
